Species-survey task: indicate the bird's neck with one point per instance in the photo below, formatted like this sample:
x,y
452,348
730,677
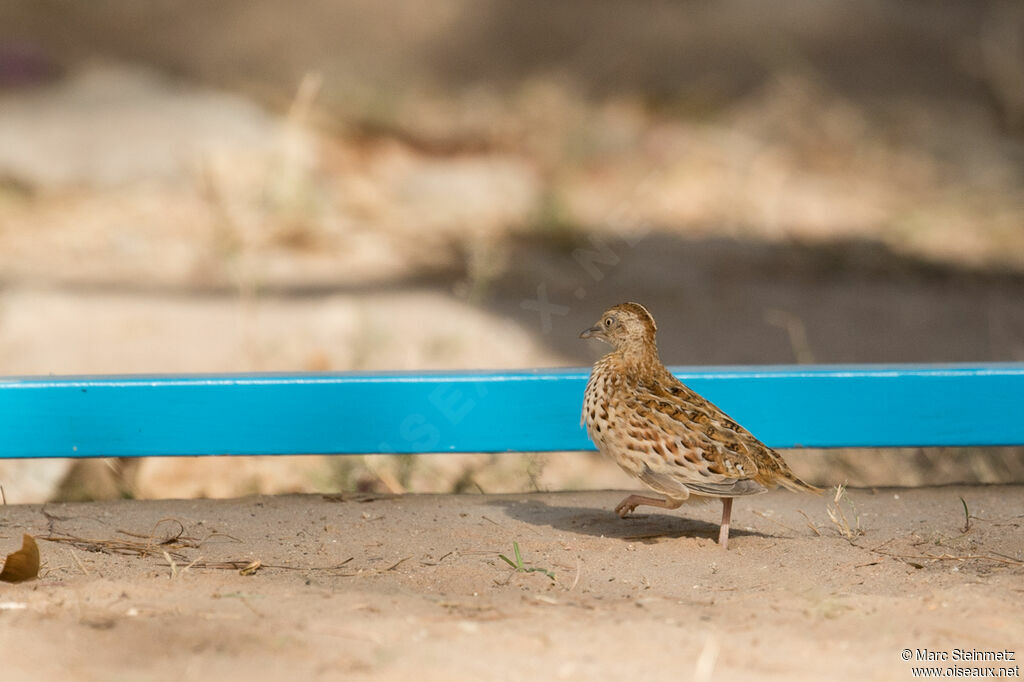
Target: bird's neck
x,y
637,359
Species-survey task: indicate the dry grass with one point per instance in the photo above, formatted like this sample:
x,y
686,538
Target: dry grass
x,y
844,516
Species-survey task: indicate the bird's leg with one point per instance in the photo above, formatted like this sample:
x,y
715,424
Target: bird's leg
x,y
634,501
723,532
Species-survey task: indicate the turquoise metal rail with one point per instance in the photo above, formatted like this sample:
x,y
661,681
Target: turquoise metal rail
x,y
805,406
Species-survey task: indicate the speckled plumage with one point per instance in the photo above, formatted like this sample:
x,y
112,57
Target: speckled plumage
x,y
661,432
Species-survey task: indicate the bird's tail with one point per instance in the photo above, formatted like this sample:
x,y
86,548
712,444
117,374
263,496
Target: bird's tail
x,y
791,482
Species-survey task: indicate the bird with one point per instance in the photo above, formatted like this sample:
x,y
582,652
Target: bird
x,y
665,434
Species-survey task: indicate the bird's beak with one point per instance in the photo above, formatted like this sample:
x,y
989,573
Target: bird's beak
x,y
594,332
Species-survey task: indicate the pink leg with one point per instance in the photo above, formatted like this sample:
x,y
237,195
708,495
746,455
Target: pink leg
x,y
634,501
723,532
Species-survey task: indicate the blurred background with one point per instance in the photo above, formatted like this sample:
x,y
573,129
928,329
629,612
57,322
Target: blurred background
x,y
243,186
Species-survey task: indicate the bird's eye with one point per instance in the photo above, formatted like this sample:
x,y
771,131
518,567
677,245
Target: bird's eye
x,y
607,321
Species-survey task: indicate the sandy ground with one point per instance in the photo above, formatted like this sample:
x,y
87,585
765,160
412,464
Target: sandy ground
x,y
412,587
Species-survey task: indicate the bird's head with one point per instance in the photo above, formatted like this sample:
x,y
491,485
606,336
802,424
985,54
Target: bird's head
x,y
626,326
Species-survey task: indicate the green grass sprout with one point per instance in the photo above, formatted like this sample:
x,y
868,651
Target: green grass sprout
x,y
967,516
518,563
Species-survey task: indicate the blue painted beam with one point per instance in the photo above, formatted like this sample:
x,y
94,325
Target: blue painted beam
x,y
806,406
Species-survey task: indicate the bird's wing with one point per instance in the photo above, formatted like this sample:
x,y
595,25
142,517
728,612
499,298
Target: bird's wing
x,y
701,445
677,485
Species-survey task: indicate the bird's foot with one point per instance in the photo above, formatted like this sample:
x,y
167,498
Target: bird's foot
x,y
633,501
626,507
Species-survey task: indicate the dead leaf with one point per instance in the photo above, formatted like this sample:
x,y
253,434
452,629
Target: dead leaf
x,y
23,564
251,568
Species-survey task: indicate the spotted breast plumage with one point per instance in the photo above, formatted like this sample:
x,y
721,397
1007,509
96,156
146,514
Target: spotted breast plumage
x,y
658,430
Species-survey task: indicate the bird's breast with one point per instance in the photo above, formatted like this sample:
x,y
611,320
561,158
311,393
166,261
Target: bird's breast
x,y
600,405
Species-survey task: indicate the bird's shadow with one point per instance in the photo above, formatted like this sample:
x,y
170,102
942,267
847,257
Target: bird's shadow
x,y
645,528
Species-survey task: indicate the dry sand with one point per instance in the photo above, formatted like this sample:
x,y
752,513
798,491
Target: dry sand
x,y
412,587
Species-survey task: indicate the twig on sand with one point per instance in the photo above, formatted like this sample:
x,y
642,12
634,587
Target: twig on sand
x,y
122,547
78,561
576,580
810,524
993,557
174,566
239,564
778,523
